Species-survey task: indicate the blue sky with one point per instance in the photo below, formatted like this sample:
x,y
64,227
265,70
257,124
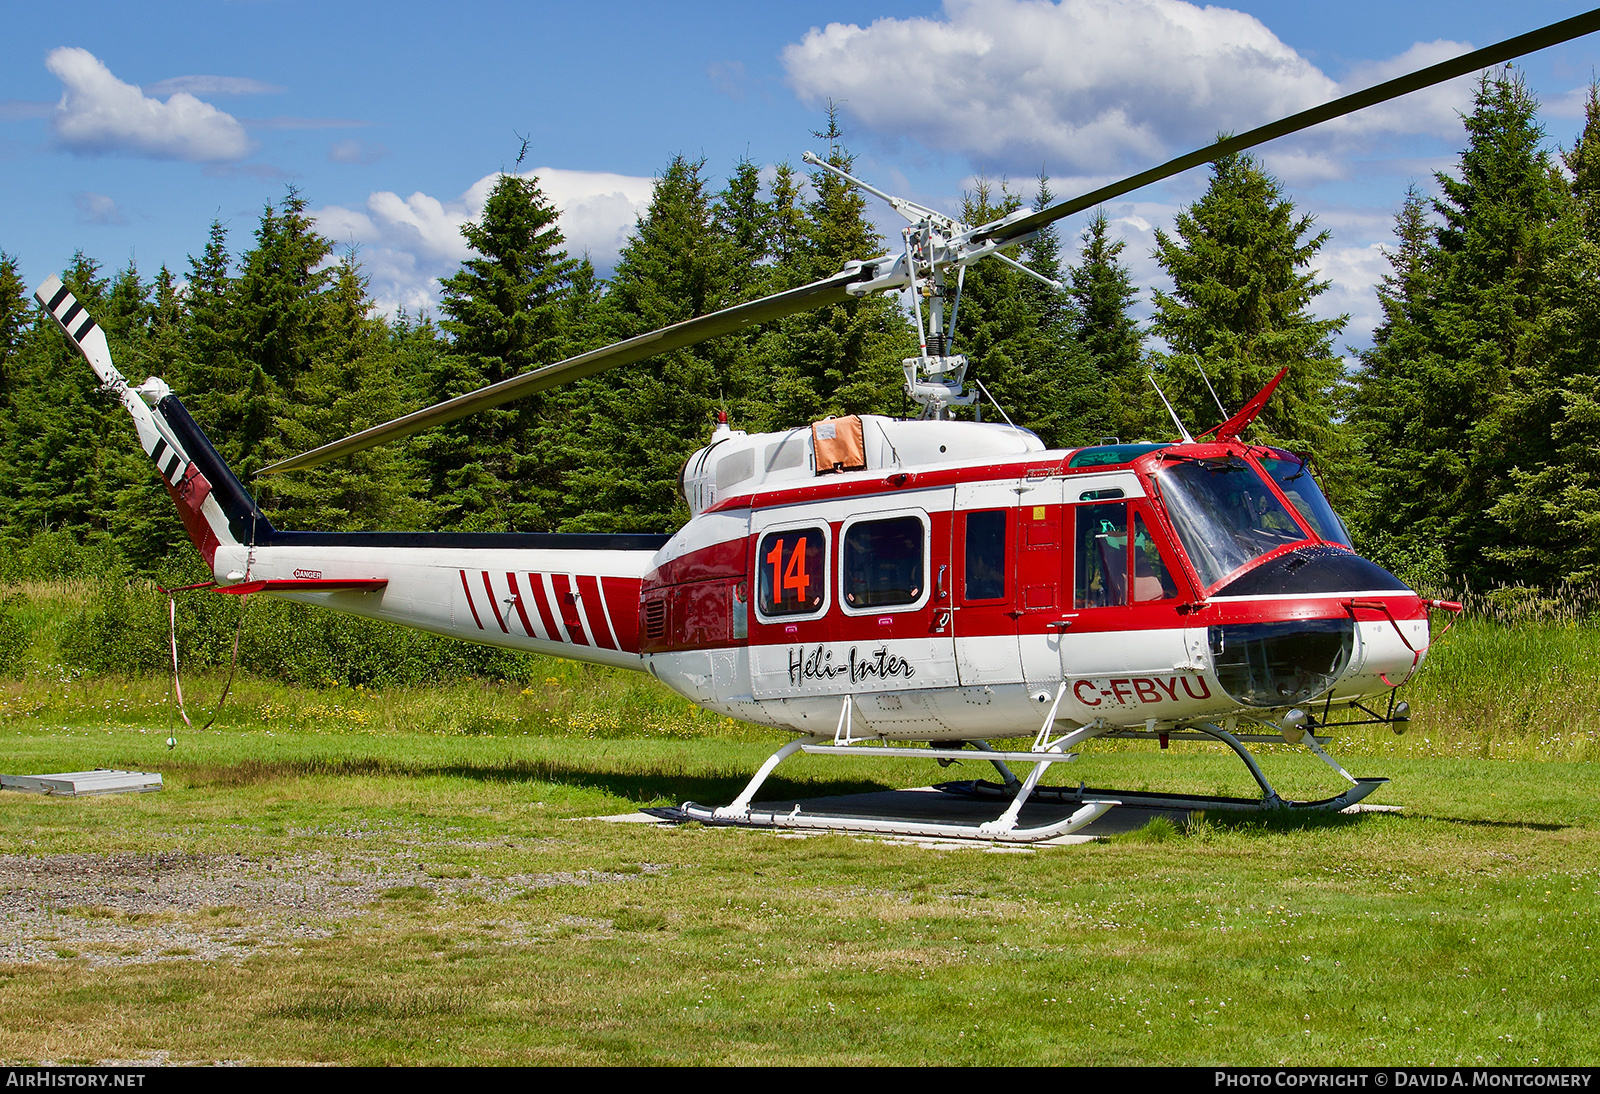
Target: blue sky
x,y
126,128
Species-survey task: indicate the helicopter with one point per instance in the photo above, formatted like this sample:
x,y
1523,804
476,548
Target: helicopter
x,y
932,582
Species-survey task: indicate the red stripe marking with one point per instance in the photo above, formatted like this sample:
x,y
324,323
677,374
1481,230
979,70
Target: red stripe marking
x,y
511,580
468,590
195,523
536,583
622,604
489,588
589,589
569,610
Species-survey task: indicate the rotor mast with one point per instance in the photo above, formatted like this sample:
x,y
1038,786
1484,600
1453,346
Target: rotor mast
x,y
934,245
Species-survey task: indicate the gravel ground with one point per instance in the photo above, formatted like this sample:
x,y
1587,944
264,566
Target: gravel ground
x,y
125,908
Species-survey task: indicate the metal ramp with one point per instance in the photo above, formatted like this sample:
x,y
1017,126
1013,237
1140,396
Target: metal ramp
x,y
77,784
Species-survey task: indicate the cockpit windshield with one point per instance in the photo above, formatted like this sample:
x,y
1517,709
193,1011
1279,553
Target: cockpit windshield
x,y
1294,479
1224,513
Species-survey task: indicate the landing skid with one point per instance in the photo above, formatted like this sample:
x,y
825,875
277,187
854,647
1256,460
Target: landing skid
x,y
1045,751
991,832
1192,802
1003,829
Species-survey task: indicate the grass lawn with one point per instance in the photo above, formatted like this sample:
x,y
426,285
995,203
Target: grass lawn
x,y
322,890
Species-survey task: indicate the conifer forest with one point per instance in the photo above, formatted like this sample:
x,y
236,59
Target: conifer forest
x,y
1463,450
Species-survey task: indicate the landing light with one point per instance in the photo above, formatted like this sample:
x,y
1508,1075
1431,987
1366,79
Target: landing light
x,y
1294,726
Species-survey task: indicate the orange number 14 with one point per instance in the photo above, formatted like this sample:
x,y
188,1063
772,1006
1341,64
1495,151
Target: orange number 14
x,y
795,577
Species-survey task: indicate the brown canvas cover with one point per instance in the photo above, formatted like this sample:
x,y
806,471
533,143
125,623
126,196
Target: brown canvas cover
x,y
839,444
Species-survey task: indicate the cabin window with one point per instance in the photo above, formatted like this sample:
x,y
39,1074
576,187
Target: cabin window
x,y
793,570
985,558
1101,556
883,563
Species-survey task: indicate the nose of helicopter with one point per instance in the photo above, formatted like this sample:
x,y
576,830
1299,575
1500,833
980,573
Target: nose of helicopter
x,y
1312,570
1279,664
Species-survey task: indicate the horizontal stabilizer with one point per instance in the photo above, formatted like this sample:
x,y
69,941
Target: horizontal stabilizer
x,y
305,585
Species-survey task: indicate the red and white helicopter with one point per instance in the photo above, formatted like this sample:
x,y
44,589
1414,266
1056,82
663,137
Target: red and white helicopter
x,y
867,580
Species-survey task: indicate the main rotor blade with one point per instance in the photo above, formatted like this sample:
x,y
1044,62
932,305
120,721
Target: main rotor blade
x,y
1487,57
818,294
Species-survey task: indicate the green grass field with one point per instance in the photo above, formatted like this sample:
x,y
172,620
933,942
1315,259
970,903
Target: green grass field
x,y
412,876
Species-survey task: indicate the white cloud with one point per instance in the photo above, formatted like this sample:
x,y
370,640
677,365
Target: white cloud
x,y
1084,85
407,244
1352,273
211,85
1091,86
98,113
96,208
1434,110
356,152
1095,89
1572,103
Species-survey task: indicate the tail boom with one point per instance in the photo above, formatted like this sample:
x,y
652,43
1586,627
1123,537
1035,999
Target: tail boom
x,y
572,596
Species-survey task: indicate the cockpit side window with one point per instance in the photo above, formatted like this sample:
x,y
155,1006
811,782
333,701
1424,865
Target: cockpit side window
x,y
1151,578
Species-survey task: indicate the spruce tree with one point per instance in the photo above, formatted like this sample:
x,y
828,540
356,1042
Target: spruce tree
x,y
999,327
68,437
250,337
1103,290
1019,335
16,319
1070,407
208,375
744,221
844,358
1240,309
787,223
1482,389
507,310
16,315
143,523
1546,424
1384,409
644,419
352,383
1583,162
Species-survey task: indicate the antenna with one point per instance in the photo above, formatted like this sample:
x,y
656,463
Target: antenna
x,y
996,403
1184,432
1201,370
